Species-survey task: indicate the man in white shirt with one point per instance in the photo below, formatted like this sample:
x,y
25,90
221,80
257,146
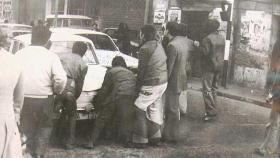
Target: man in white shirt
x,y
44,77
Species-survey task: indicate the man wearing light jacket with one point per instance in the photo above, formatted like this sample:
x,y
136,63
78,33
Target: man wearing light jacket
x,y
44,78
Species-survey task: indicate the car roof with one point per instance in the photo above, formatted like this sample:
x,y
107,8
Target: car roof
x,y
68,17
12,24
75,31
26,38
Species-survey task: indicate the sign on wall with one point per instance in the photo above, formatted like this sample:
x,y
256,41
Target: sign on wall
x,y
174,15
256,30
159,17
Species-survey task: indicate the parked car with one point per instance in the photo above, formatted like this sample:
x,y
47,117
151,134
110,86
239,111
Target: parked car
x,y
105,48
62,43
11,30
72,21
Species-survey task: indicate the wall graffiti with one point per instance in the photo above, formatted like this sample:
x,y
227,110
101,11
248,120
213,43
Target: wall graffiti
x,y
256,30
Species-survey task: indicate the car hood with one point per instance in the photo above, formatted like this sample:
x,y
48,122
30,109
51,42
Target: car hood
x,y
94,77
105,58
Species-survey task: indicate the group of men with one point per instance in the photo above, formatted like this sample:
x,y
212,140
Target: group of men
x,y
133,105
144,109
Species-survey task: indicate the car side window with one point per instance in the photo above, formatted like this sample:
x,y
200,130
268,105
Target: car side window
x,y
21,46
15,47
65,23
90,56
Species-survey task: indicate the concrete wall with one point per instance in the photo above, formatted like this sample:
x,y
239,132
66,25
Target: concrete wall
x,y
253,41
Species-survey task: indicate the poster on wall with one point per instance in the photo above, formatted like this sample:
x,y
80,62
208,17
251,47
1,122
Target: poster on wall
x,y
174,15
256,30
159,17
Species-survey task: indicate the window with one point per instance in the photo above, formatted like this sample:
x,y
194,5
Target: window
x,y
60,8
101,41
61,47
86,23
75,22
65,23
15,47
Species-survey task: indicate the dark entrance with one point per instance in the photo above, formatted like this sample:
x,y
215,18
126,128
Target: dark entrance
x,y
195,21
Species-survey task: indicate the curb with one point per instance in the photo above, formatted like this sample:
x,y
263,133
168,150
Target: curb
x,y
236,97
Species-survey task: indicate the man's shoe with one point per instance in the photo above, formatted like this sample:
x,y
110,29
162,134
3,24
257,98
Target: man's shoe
x,y
207,118
135,145
169,141
259,151
88,146
69,146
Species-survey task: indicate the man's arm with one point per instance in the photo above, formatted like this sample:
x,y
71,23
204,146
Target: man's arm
x,y
171,53
80,82
142,66
58,75
18,97
205,46
107,86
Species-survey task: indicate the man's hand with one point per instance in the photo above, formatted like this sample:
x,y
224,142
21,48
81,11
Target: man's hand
x,y
88,107
196,43
17,118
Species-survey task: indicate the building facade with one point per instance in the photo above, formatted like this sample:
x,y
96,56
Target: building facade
x,y
255,25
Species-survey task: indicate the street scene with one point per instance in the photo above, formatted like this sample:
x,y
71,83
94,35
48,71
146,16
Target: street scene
x,y
139,78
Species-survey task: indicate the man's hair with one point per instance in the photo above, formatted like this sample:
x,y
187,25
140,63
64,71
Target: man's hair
x,y
182,29
40,34
79,48
118,61
173,28
212,25
149,32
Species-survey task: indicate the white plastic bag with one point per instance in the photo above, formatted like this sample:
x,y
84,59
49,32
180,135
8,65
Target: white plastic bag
x,y
183,102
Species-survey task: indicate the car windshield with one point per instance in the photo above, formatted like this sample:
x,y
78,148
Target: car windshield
x,y
66,47
101,41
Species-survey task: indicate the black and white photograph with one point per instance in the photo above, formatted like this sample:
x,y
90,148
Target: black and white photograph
x,y
139,78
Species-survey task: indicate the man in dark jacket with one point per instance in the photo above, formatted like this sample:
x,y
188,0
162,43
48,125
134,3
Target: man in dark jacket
x,y
151,84
177,52
76,70
212,48
116,96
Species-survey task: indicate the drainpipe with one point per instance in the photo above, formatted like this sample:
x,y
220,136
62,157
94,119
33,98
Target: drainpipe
x,y
2,16
147,10
56,13
227,46
65,7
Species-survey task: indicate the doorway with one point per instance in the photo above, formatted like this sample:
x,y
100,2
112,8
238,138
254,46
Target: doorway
x,y
195,21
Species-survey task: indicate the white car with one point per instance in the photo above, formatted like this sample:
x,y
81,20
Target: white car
x,y
10,30
63,43
73,21
105,47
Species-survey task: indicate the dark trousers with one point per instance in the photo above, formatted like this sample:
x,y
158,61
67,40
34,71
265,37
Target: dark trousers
x,y
172,116
67,120
209,86
36,123
118,114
